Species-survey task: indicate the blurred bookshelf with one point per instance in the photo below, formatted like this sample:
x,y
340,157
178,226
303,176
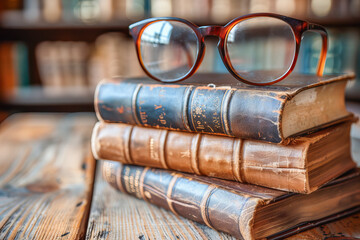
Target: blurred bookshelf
x,y
53,53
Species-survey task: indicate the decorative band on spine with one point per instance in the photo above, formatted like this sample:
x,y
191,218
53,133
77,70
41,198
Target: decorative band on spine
x,y
204,205
127,144
225,111
194,153
106,170
237,159
119,178
240,221
185,116
109,172
141,184
162,146
169,193
133,104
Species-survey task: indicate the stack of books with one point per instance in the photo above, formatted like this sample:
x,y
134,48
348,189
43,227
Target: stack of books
x,y
251,161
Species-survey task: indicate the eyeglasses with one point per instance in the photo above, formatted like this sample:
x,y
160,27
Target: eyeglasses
x,y
171,49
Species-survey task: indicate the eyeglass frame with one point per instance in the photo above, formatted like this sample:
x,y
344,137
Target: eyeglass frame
x,y
298,27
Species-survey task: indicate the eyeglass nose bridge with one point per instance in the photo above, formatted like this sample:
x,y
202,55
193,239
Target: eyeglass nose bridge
x,y
211,31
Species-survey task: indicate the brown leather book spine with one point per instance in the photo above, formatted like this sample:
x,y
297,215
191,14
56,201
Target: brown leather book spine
x,y
265,164
249,114
205,203
270,165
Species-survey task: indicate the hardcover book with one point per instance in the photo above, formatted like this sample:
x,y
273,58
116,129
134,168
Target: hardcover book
x,y
242,210
302,166
219,104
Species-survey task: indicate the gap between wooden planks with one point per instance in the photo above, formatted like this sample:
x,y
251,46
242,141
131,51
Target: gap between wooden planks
x,y
46,176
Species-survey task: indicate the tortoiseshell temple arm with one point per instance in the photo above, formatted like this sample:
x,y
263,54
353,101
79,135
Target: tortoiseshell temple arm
x,y
324,36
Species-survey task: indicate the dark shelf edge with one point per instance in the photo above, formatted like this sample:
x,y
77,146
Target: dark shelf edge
x,y
54,100
39,25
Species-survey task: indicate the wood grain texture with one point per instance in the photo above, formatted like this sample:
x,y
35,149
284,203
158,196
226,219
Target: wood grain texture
x,y
46,176
115,215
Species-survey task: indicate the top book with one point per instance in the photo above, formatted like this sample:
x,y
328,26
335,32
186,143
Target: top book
x,y
219,104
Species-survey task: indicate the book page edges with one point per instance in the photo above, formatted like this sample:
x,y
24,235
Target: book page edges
x,y
313,109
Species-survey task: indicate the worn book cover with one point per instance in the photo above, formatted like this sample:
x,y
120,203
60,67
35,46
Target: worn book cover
x,y
242,210
301,166
219,104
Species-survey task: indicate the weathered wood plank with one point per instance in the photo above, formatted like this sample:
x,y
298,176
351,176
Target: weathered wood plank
x,y
46,176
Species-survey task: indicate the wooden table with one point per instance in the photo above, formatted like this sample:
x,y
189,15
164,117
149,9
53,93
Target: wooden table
x,y
50,188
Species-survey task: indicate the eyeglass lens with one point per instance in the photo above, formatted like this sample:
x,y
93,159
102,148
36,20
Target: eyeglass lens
x,y
276,42
168,49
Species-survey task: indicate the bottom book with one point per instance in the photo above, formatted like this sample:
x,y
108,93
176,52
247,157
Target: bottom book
x,y
242,210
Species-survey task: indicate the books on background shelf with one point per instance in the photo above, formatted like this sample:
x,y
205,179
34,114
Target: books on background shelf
x,y
230,184
14,67
216,10
75,10
63,64
114,54
89,65
66,68
81,64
